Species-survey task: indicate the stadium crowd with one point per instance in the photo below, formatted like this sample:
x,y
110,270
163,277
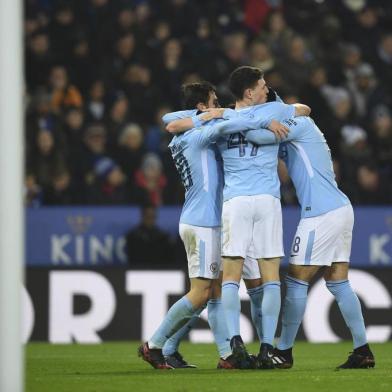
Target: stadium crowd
x,y
101,73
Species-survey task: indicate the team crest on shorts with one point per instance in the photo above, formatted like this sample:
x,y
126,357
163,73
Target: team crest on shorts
x,y
214,267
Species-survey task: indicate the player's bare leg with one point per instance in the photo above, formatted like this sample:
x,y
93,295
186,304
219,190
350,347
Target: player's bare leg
x,y
232,268
303,272
253,283
199,292
336,278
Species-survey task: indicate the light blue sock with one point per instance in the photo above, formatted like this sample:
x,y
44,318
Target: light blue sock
x,y
293,310
217,322
256,297
232,306
176,317
171,345
270,308
350,307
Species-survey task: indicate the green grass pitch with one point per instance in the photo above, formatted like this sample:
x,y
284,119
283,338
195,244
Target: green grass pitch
x,y
115,367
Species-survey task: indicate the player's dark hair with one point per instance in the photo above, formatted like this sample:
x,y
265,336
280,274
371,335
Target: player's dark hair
x,y
243,78
195,93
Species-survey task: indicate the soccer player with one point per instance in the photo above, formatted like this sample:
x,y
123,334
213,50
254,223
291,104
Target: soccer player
x,y
252,222
251,216
178,122
323,239
196,161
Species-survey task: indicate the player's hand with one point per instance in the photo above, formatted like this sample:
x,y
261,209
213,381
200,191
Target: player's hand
x,y
280,130
209,114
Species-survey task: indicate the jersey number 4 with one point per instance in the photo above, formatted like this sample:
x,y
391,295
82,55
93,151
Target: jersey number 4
x,y
237,140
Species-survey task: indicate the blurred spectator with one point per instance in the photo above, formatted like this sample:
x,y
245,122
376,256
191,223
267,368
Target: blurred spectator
x,y
274,79
130,149
33,192
73,130
260,56
39,60
296,67
60,190
289,97
95,104
143,15
313,95
341,113
371,188
277,35
142,94
108,184
124,55
147,245
366,31
172,70
157,138
324,42
355,151
340,102
45,163
117,119
82,68
64,95
383,62
366,92
182,15
235,50
256,12
31,23
150,181
93,148
98,15
63,30
351,61
95,67
382,139
161,33
125,20
40,115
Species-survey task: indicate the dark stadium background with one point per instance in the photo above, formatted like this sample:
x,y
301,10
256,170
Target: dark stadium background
x,y
100,74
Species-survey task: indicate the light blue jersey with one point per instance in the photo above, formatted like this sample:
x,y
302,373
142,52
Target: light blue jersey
x,y
251,169
308,160
202,176
168,117
199,164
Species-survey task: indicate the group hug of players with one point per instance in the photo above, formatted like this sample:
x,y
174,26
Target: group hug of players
x,y
231,225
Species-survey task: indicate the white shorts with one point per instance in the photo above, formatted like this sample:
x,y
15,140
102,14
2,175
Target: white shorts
x,y
324,239
252,226
203,250
251,269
